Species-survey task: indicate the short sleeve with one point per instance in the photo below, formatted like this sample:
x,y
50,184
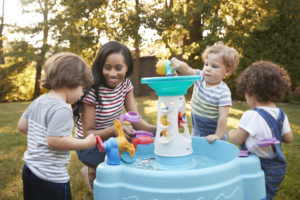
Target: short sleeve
x,y
225,97
129,86
60,123
250,121
27,111
90,98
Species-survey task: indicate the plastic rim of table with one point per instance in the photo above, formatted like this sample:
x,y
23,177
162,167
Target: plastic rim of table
x,y
171,86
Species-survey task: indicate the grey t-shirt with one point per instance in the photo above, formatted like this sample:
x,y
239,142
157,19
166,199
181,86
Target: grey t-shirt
x,y
48,117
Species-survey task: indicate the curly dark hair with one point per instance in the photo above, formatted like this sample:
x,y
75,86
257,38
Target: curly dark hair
x,y
265,80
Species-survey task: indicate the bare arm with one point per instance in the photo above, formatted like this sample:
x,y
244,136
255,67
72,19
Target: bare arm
x,y
181,67
222,124
288,137
23,125
89,124
130,105
237,136
70,143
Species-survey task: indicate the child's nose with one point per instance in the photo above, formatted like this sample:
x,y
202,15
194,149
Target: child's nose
x,y
208,67
113,73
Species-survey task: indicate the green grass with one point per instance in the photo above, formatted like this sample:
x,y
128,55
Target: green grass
x,y
13,145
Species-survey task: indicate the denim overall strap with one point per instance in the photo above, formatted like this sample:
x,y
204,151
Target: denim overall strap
x,y
274,168
276,127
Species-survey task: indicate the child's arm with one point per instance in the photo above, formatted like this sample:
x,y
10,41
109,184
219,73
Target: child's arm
x,y
221,126
181,67
89,124
288,137
130,105
23,125
70,143
237,136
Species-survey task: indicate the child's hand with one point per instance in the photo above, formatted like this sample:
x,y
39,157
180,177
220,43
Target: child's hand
x,y
212,138
90,140
128,132
176,64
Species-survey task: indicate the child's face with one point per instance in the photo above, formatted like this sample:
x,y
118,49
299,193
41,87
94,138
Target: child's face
x,y
73,95
114,69
214,70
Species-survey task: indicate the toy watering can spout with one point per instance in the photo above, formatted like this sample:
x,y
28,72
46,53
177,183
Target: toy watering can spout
x,y
163,67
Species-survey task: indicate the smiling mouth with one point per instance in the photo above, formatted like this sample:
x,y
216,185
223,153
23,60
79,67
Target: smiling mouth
x,y
113,80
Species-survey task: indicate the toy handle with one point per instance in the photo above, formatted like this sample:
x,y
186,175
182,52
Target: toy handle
x,y
141,133
142,140
99,143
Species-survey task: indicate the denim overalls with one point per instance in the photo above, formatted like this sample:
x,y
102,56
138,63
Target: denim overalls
x,y
274,168
203,127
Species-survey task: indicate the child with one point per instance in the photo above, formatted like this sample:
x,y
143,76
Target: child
x,y
111,92
48,123
211,97
262,83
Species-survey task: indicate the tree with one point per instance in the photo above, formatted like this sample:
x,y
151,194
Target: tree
x,y
266,30
2,61
128,18
16,79
45,8
188,26
79,26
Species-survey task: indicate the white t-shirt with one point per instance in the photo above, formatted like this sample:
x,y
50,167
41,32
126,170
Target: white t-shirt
x,y
258,129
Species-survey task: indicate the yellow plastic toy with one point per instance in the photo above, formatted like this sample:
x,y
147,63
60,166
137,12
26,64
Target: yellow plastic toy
x,y
163,67
123,143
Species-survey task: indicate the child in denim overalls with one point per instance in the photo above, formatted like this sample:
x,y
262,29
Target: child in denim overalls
x,y
262,83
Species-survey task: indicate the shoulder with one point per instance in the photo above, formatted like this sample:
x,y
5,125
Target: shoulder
x,y
224,87
127,85
127,82
59,106
249,113
252,122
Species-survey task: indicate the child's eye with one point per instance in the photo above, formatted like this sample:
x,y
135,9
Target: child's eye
x,y
214,66
107,67
119,67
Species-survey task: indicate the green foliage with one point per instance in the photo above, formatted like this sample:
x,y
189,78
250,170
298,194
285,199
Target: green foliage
x,y
266,30
259,30
17,75
78,27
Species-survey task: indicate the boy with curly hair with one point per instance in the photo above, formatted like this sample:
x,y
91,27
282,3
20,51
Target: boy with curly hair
x,y
263,83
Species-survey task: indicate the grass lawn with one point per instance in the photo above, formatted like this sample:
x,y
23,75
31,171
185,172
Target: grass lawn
x,y
13,145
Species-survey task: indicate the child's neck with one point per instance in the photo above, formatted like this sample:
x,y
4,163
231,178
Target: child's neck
x,y
264,104
58,94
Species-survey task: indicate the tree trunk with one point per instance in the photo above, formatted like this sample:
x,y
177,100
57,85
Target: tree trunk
x,y
38,73
136,70
2,61
44,49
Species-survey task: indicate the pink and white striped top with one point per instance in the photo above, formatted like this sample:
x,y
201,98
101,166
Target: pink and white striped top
x,y
112,105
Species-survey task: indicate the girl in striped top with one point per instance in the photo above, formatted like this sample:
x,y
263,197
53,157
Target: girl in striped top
x,y
112,90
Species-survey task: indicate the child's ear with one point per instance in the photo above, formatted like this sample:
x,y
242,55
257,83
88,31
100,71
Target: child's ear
x,y
228,72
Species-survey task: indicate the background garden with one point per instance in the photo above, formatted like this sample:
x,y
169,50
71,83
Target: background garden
x,y
258,29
